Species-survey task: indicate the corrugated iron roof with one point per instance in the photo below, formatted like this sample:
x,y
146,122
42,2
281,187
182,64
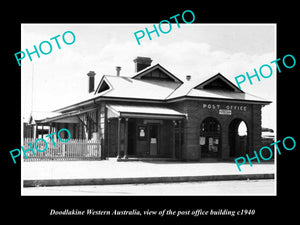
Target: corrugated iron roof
x,y
148,111
145,89
126,87
46,117
37,116
224,95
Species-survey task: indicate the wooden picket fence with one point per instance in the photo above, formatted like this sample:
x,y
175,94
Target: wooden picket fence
x,y
74,149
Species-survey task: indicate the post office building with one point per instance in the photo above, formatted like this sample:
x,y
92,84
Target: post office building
x,y
154,114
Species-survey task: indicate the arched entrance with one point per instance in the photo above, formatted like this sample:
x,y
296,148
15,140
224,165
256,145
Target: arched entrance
x,y
210,138
238,138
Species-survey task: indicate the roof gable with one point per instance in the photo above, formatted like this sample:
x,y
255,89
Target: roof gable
x,y
103,86
218,83
156,72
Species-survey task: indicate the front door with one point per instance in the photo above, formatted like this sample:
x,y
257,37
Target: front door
x,y
210,138
153,140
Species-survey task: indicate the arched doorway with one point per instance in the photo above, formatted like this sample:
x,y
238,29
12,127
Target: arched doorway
x,y
238,138
210,138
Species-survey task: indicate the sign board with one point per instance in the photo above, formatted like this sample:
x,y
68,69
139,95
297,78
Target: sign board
x,y
141,133
202,140
224,111
242,108
153,140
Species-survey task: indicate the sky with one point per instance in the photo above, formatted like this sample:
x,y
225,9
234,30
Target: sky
x,y
60,78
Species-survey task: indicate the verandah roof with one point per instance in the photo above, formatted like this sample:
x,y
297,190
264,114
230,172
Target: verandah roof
x,y
143,112
70,117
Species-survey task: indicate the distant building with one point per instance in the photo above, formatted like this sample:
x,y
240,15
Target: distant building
x,y
153,114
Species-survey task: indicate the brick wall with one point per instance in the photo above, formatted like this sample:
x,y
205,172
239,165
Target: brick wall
x,y
198,111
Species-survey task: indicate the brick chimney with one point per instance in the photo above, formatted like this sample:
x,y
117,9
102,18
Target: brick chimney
x,y
142,63
91,84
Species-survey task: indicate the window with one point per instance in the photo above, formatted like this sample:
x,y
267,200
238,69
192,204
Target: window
x,y
210,125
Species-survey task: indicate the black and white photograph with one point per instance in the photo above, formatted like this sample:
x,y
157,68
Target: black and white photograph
x,y
182,113
145,113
